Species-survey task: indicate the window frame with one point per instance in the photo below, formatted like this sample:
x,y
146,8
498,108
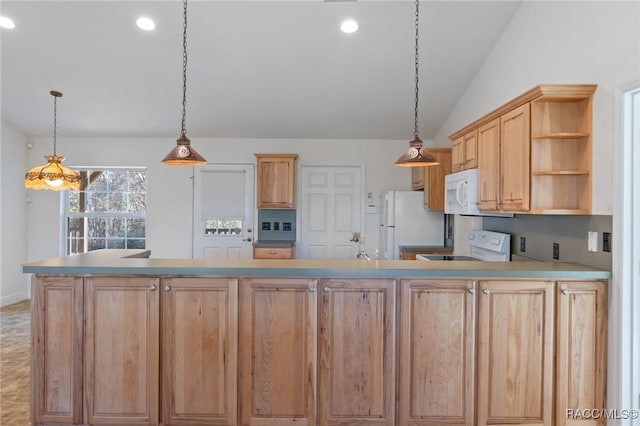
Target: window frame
x,y
66,215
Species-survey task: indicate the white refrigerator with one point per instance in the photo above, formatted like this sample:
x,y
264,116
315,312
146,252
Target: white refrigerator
x,y
404,221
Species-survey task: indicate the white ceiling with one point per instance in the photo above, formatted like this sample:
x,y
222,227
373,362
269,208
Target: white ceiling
x,y
257,69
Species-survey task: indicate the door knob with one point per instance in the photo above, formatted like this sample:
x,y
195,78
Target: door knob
x,y
247,239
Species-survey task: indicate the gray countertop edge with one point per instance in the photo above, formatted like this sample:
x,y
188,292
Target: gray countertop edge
x,y
137,262
322,273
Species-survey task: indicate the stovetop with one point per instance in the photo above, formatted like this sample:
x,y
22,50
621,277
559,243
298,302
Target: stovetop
x,y
443,257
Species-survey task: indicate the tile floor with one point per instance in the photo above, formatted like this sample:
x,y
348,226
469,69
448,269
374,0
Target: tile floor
x,y
14,364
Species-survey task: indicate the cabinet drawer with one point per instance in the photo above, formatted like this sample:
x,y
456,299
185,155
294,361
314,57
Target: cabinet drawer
x,y
273,252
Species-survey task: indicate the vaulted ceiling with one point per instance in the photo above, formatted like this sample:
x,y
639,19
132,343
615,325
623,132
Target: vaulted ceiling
x,y
256,69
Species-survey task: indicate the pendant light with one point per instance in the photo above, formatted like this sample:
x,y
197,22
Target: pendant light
x,y
183,153
416,155
53,175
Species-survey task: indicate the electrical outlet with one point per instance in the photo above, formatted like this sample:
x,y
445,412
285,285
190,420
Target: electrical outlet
x,y
606,242
523,244
556,251
592,241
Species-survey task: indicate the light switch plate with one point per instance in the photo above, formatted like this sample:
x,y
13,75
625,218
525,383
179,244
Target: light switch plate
x,y
592,241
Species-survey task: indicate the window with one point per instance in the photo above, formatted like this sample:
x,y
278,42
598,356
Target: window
x,y
108,212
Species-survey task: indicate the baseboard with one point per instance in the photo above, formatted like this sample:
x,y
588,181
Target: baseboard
x,y
13,298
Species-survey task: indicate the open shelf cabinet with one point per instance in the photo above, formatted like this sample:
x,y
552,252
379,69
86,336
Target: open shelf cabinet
x,y
561,154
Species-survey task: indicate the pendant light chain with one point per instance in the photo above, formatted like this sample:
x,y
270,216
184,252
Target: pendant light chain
x,y
184,69
415,111
55,121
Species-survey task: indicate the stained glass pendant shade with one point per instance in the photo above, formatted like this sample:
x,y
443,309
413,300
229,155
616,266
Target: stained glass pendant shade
x,y
53,175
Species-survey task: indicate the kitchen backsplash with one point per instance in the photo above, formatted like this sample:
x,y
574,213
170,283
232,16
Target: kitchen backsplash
x,y
569,232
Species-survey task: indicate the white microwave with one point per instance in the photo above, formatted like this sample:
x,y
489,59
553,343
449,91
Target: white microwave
x,y
461,194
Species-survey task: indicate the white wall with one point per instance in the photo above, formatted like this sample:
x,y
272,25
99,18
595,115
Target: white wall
x,y
570,42
13,222
169,188
562,42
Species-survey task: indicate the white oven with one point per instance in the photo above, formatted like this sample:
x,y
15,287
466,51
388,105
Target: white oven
x,y
461,194
485,246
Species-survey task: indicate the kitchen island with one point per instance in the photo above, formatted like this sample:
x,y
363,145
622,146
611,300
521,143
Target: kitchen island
x,y
122,338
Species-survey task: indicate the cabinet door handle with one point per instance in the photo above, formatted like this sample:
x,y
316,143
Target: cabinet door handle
x,y
565,291
471,290
167,288
152,287
326,289
486,291
312,289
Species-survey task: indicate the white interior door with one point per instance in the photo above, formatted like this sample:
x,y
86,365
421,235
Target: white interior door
x,y
223,211
330,211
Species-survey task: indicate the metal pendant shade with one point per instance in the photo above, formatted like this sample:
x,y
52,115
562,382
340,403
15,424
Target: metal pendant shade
x,y
416,155
53,175
183,154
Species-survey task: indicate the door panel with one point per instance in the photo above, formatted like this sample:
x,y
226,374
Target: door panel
x,y
200,340
121,350
223,211
278,352
330,211
357,361
515,357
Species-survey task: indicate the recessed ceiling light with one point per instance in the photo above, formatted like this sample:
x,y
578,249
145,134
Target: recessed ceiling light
x,y
349,26
6,22
145,23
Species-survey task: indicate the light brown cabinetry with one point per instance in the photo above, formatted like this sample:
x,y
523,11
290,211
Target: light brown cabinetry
x,y
276,181
199,351
436,351
503,164
515,352
410,252
273,252
561,154
464,151
121,353
534,152
581,350
278,352
357,352
417,178
434,179
56,342
431,179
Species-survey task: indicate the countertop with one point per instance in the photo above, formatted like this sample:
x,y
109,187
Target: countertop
x,y
137,262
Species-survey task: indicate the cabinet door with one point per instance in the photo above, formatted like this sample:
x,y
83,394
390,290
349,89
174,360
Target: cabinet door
x,y
199,351
56,341
276,181
457,155
278,352
489,166
122,350
437,351
357,362
417,177
515,353
581,349
434,180
515,159
471,149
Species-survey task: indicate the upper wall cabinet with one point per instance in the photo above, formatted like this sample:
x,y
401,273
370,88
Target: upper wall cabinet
x,y
276,179
464,151
534,153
